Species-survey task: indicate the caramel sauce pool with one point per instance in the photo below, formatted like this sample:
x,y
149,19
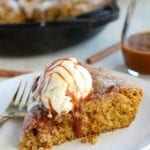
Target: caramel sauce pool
x,y
136,52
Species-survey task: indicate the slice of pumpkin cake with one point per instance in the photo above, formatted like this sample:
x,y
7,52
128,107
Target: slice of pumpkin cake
x,y
71,100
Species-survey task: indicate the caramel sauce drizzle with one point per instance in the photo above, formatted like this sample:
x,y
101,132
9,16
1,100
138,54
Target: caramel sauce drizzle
x,y
77,109
73,95
77,120
52,110
51,67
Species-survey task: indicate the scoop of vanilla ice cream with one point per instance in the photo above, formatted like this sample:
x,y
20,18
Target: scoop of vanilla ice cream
x,y
62,84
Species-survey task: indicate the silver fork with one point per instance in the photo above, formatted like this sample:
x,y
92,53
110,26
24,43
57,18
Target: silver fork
x,y
21,98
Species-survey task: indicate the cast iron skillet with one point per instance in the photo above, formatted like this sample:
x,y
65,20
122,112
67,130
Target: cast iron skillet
x,y
36,38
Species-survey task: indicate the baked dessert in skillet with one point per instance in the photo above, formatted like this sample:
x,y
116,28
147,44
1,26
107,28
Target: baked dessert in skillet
x,y
10,12
70,8
72,100
18,11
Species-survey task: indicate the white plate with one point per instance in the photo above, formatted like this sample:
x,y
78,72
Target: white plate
x,y
135,137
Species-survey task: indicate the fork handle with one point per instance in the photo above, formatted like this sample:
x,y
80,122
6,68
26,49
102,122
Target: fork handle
x,y
7,116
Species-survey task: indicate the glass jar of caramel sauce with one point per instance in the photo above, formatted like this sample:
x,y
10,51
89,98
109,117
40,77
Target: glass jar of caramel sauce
x,y
136,37
136,52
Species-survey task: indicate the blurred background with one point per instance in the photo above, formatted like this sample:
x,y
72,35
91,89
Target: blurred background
x,y
89,33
